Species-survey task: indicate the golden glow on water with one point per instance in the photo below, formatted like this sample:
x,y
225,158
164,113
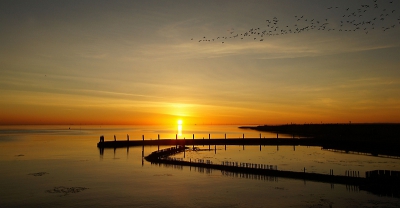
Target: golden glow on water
x,y
180,130
180,122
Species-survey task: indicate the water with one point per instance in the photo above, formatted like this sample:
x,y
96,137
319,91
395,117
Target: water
x,y
67,160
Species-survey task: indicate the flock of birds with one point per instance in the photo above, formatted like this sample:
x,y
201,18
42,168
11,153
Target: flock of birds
x,y
377,15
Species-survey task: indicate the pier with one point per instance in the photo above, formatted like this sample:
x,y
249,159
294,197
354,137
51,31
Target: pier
x,y
353,147
230,141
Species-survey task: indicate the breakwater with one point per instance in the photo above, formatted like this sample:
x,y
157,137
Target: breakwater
x,y
162,156
378,181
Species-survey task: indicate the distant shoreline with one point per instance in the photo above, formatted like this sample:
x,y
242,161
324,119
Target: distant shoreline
x,y
374,138
337,131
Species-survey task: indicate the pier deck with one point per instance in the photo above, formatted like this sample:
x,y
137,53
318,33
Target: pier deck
x,y
247,141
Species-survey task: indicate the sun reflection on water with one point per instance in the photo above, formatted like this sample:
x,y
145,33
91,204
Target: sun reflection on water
x,y
180,122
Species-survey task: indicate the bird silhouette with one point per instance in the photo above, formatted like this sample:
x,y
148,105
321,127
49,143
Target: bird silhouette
x,y
365,17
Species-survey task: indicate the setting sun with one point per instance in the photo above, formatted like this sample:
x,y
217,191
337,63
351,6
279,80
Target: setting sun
x,y
180,122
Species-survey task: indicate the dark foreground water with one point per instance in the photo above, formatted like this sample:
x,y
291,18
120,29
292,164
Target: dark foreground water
x,y
57,166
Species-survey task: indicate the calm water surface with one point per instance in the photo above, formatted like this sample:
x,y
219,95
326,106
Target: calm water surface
x,y
61,166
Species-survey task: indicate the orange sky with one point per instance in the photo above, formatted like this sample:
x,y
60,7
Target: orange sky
x,y
136,63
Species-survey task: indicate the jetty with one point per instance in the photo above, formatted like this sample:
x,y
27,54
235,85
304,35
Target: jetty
x,y
377,181
368,147
174,142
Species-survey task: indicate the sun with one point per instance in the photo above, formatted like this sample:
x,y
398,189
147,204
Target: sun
x,y
180,122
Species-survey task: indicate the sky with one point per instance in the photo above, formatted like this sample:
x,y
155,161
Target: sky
x,y
204,62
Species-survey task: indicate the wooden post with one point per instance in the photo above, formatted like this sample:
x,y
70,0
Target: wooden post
x,y
158,136
143,137
277,135
243,136
209,137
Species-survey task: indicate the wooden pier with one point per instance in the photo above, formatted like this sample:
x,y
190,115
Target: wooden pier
x,y
246,141
373,148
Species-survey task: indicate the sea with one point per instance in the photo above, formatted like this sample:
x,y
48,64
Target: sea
x,y
61,166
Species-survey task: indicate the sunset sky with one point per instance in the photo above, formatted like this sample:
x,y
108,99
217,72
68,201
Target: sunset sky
x,y
154,62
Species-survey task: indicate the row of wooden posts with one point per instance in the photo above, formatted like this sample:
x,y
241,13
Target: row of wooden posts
x,y
244,165
224,163
176,137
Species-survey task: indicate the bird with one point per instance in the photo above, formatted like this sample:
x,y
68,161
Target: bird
x,y
348,19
